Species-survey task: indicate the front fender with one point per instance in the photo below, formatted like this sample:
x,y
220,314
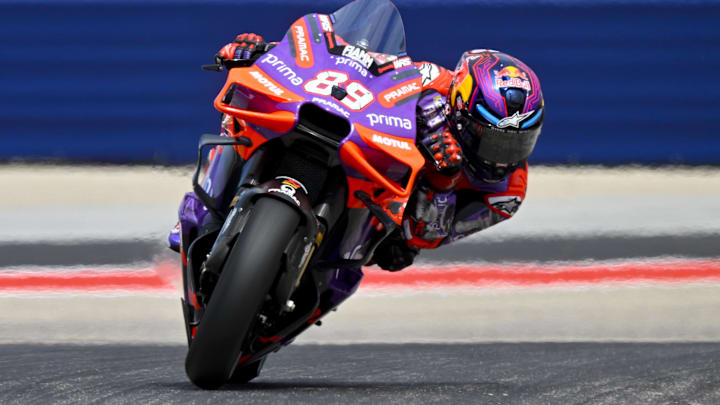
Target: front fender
x,y
282,188
293,193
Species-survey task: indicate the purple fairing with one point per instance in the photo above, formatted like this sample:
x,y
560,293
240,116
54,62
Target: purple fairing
x,y
343,283
192,214
174,238
392,114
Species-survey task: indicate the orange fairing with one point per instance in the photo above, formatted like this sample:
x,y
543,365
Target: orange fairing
x,y
301,37
255,138
257,81
402,91
401,149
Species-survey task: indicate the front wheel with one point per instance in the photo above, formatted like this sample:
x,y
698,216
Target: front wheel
x,y
246,278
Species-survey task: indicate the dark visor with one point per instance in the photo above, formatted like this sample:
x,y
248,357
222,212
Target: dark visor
x,y
486,143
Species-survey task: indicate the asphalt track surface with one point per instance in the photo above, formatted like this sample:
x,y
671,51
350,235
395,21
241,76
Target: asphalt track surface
x,y
535,373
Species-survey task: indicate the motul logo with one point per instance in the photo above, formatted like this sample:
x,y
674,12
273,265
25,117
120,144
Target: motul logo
x,y
267,83
379,139
406,89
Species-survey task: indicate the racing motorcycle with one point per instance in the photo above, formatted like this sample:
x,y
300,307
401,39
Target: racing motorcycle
x,y
314,172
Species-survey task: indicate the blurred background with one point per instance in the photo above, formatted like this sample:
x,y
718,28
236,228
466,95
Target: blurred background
x,y
625,82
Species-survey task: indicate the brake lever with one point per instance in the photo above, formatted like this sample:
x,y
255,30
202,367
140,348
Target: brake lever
x,y
215,67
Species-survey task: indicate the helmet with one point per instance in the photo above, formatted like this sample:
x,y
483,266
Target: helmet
x,y
497,109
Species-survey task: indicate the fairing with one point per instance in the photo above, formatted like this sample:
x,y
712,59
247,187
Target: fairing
x,y
379,152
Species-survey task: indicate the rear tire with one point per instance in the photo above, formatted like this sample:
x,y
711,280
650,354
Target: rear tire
x,y
247,276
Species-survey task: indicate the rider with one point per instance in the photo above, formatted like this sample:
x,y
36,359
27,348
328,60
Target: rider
x,y
477,125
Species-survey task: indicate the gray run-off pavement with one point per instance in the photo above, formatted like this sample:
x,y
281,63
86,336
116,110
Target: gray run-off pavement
x,y
540,373
66,203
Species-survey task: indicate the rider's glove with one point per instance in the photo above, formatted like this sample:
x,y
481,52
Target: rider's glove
x,y
394,254
244,47
445,152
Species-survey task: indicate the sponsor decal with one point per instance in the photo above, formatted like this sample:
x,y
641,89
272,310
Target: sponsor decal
x,y
389,97
429,72
514,120
325,23
287,190
387,141
283,69
331,105
402,62
303,56
292,182
352,64
514,78
289,187
267,83
358,54
357,96
389,120
507,205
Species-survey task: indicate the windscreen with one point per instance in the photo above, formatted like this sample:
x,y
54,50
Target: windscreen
x,y
374,25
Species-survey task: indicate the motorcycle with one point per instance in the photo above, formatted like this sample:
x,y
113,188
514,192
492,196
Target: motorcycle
x,y
314,172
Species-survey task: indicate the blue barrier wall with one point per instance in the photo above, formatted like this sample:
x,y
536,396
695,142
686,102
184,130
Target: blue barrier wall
x,y
120,82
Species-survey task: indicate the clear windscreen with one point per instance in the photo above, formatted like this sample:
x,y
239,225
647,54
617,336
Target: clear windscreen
x,y
374,25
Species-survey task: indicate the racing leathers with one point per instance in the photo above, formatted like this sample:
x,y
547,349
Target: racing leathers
x,y
451,201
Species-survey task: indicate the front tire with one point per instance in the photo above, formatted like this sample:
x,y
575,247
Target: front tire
x,y
247,276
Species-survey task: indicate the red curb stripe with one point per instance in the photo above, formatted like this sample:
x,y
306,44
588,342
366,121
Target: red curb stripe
x,y
160,278
534,275
166,277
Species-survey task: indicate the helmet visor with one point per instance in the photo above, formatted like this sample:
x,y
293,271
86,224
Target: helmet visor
x,y
485,143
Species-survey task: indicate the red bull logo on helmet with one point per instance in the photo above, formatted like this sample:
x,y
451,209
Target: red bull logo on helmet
x,y
510,76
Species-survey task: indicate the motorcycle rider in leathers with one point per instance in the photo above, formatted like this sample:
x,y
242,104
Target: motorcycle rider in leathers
x,y
477,126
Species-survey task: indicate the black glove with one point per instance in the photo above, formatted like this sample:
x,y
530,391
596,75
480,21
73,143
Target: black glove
x,y
394,254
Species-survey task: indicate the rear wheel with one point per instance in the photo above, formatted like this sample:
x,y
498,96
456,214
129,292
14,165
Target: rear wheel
x,y
247,276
